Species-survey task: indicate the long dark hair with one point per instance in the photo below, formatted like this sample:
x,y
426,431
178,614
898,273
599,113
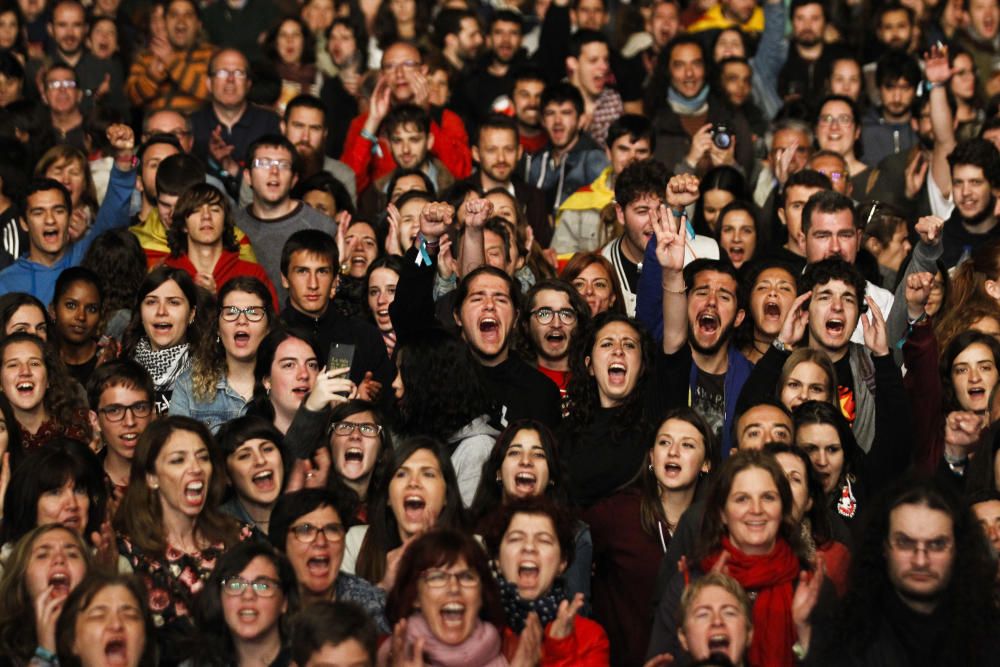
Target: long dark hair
x,y
118,259
718,178
818,516
582,388
378,474
523,342
821,412
443,388
386,31
958,345
188,204
200,333
489,496
383,529
213,644
969,601
260,404
12,301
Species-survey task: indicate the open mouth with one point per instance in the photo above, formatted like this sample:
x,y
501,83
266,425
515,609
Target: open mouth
x,y
248,614
318,565
241,338
50,234
116,652
59,581
527,573
737,253
977,393
835,327
556,337
672,469
163,327
453,613
708,323
718,643
264,480
194,492
413,508
772,310
355,455
25,387
300,391
359,260
617,373
525,482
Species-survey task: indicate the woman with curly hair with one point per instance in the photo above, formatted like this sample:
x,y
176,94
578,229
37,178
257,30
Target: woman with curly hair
x,y
171,323
219,384
43,568
440,395
44,398
116,257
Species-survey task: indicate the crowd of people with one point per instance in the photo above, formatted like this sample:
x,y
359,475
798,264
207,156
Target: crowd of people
x,y
520,332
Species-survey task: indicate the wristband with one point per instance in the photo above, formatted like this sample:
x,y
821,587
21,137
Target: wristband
x,y
44,654
376,146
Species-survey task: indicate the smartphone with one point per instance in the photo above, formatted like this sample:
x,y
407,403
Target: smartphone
x,y
341,356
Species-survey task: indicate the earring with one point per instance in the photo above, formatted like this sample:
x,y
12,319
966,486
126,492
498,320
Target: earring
x,y
499,481
650,467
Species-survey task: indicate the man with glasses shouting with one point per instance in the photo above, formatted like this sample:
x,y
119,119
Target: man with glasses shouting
x,y
922,592
273,167
403,81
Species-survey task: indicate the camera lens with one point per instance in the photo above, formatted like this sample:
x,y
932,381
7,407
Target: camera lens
x,y
721,138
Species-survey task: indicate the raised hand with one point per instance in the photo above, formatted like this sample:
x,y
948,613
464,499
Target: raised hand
x,y
343,221
936,67
403,653
918,293
370,388
477,212
805,598
330,388
122,140
915,174
876,333
669,241
447,265
222,152
529,645
435,219
796,321
784,161
48,606
392,246
682,190
418,83
962,429
381,102
929,228
105,547
562,627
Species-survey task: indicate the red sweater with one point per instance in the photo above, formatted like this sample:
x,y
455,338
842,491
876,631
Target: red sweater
x,y
229,266
451,146
587,646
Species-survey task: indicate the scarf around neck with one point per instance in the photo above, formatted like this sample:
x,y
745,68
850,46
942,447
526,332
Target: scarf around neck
x,y
773,578
687,106
164,366
481,648
517,608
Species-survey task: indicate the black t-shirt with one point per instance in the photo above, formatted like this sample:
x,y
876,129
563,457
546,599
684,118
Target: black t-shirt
x,y
709,400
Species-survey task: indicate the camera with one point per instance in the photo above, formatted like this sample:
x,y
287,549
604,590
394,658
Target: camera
x,y
721,137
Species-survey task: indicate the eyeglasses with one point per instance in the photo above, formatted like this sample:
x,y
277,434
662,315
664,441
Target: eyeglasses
x,y
842,119
116,412
306,532
223,74
232,313
405,64
265,587
440,578
835,176
545,315
267,163
906,544
56,85
346,428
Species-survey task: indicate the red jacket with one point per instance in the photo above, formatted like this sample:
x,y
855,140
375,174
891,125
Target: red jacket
x,y
229,266
451,146
587,646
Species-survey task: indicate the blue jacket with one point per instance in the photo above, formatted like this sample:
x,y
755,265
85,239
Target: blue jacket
x,y
39,280
580,167
224,406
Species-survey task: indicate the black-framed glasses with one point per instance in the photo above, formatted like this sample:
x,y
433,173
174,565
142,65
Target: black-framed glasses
x,y
116,412
367,429
232,313
307,532
440,578
908,545
545,315
265,587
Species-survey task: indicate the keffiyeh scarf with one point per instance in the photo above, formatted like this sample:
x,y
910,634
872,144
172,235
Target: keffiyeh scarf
x,y
165,365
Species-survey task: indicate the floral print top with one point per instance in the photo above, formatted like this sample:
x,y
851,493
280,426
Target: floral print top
x,y
175,579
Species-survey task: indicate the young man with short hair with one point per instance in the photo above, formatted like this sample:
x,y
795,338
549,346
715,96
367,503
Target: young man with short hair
x,y
572,158
273,168
121,398
798,189
578,221
887,130
971,209
45,214
526,98
309,275
587,67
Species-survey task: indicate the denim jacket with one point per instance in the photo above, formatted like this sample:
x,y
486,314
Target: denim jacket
x,y
226,405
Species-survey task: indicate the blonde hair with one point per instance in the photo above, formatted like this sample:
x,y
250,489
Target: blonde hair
x,y
723,581
67,153
810,355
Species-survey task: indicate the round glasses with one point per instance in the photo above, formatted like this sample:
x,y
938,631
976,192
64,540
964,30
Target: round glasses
x,y
346,428
545,315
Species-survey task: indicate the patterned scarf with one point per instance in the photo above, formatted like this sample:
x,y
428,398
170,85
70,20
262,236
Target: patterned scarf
x,y
517,608
164,366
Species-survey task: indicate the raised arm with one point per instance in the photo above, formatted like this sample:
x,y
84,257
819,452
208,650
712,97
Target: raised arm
x,y
938,72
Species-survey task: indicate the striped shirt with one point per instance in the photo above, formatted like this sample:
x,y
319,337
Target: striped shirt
x,y
182,86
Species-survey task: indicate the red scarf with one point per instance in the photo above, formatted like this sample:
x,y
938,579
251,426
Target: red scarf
x,y
773,577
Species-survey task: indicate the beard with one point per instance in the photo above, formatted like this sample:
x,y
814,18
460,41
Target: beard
x,y
807,40
312,161
709,350
980,217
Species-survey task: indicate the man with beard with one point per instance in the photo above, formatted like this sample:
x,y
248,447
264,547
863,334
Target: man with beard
x,y
572,158
701,311
553,312
971,212
527,101
921,588
458,37
155,149
485,311
894,30
488,87
809,60
403,81
99,79
888,130
172,72
225,128
497,152
305,126
578,222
